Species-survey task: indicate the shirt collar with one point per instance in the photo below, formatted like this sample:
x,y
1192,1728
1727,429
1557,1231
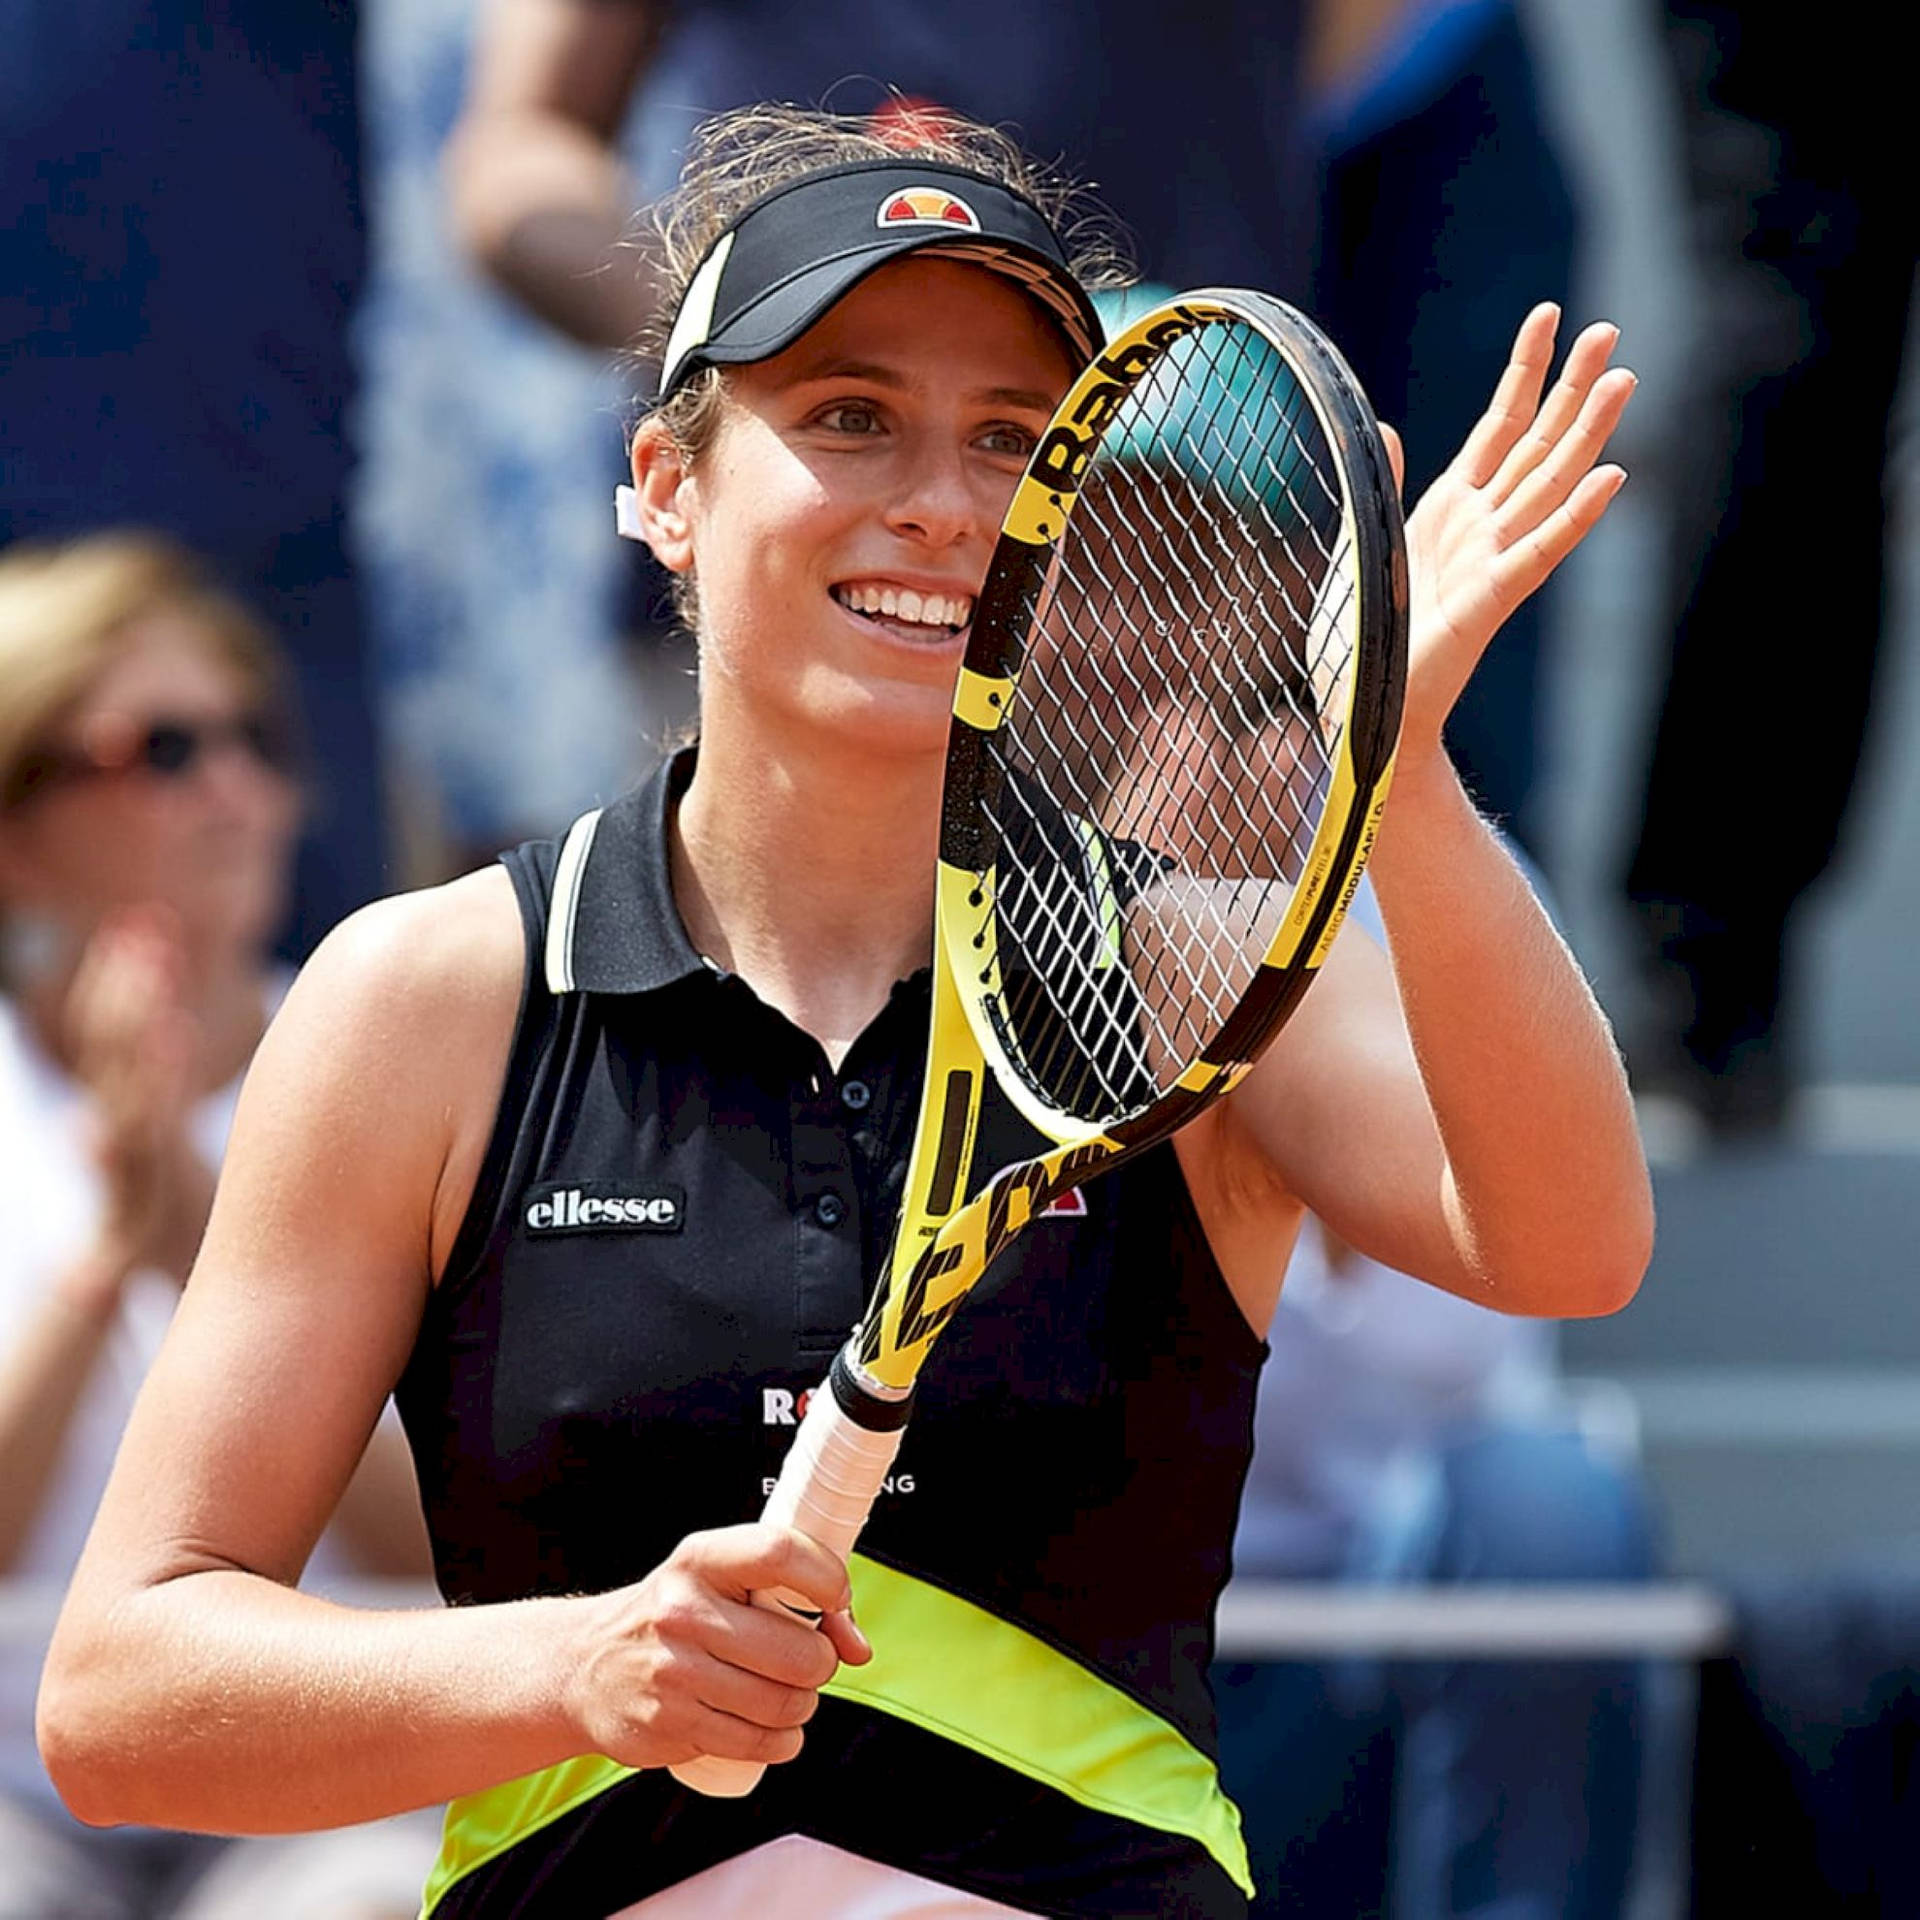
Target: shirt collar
x,y
612,924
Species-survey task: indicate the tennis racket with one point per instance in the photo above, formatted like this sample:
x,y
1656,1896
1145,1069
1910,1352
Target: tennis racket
x,y
1172,739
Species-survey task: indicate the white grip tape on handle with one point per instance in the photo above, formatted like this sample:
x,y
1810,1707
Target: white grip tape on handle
x,y
831,1477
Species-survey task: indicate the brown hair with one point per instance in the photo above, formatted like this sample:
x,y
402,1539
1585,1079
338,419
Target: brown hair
x,y
68,612
737,158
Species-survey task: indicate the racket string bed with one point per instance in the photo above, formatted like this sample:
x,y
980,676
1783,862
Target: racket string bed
x,y
1178,695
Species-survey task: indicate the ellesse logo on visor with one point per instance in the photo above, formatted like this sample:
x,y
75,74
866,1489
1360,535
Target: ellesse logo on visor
x,y
926,207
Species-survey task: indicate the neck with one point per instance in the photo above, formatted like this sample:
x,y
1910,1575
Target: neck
x,y
809,872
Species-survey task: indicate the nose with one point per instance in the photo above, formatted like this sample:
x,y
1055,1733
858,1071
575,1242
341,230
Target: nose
x,y
234,776
938,501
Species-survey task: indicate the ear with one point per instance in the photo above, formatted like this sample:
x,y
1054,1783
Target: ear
x,y
660,479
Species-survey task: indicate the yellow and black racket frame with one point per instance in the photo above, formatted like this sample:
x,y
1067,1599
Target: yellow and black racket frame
x,y
942,1247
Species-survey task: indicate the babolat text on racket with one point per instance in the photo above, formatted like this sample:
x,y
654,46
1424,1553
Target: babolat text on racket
x,y
1172,739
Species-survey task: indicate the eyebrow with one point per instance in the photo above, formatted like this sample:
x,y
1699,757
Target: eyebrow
x,y
1030,399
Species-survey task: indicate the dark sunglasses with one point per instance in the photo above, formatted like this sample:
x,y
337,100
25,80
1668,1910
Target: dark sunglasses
x,y
169,749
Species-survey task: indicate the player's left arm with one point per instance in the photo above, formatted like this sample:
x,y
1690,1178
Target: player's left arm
x,y
1461,1113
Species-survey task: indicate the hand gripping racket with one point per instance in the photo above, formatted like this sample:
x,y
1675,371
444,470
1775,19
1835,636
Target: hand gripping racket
x,y
1171,743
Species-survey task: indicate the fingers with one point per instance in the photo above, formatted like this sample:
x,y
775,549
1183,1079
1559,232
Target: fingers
x,y
843,1633
1396,456
742,1561
1585,364
684,1664
1533,557
1516,400
720,1709
762,1683
770,1665
1570,461
758,1698
128,979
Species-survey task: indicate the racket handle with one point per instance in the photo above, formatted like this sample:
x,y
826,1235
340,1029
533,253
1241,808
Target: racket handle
x,y
828,1483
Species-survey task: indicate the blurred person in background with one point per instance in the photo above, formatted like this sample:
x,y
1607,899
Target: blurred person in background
x,y
1806,228
1405,1436
148,811
181,251
576,111
1443,212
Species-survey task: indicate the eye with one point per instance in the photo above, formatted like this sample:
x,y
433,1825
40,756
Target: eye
x,y
849,416
1009,441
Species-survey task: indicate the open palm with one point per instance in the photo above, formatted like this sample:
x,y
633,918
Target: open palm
x,y
1520,495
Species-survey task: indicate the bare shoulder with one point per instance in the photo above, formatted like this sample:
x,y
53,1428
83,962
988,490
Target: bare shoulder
x,y
392,1046
441,956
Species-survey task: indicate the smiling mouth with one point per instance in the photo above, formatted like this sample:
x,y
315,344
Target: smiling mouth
x,y
901,610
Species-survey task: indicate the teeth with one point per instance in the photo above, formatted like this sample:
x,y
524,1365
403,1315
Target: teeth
x,y
902,603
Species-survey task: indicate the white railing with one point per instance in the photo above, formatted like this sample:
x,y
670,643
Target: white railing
x,y
1309,1620
1312,1620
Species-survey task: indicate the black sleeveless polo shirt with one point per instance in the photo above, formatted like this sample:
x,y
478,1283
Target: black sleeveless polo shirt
x,y
675,1227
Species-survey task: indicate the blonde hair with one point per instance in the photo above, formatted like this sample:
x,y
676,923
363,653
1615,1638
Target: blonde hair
x,y
738,158
68,612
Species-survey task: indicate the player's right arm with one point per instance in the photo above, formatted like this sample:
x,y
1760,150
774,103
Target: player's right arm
x,y
190,1684
536,188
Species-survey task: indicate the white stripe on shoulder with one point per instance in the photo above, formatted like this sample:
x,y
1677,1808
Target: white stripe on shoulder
x,y
564,908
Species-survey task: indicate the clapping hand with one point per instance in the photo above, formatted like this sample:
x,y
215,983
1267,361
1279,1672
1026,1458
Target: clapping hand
x,y
1520,495
132,1041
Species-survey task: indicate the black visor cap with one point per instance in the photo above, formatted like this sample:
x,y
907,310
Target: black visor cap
x,y
803,247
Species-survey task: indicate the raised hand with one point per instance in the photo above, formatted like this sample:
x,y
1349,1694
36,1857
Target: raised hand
x,y
1520,495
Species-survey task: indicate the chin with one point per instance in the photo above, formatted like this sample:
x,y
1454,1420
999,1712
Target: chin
x,y
241,919
876,717
896,722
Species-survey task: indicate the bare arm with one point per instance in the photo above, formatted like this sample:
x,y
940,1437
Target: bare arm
x,y
190,1685
1463,1115
42,1376
1343,37
122,1024
537,191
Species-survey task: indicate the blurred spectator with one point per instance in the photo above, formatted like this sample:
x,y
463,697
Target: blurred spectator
x,y
180,251
147,817
1807,229
481,508
1405,1435
1444,215
1183,122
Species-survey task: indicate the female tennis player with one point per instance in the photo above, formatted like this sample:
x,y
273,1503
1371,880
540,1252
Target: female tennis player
x,y
592,1157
